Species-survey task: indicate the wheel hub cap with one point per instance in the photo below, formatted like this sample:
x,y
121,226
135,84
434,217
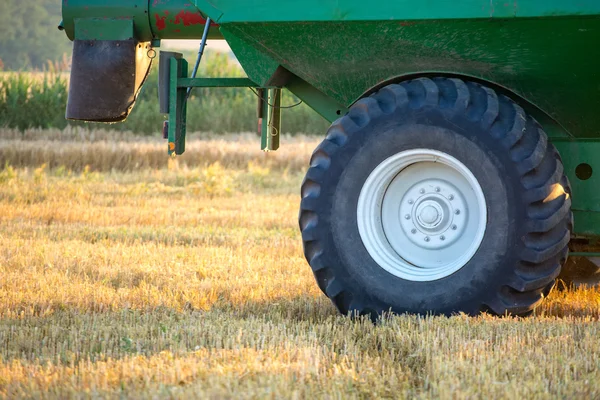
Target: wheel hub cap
x,y
429,216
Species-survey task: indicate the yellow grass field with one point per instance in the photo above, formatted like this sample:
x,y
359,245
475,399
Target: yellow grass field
x,y
124,274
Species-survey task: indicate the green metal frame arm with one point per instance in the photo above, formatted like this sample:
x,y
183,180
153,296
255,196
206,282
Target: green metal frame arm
x,y
216,82
327,107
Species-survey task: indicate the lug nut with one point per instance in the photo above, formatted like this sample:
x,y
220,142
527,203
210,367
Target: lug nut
x,y
451,197
413,231
427,238
437,189
411,201
422,191
456,212
407,216
454,227
442,237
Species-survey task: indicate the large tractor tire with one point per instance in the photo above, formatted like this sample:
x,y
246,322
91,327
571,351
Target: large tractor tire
x,y
435,196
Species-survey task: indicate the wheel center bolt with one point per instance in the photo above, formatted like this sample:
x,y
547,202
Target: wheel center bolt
x,y
429,215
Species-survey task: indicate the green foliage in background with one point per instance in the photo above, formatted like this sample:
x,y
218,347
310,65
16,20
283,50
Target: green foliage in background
x,y
29,36
30,100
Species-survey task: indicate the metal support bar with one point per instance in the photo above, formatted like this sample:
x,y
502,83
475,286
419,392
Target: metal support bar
x,y
269,118
216,82
179,85
177,107
275,121
200,53
263,120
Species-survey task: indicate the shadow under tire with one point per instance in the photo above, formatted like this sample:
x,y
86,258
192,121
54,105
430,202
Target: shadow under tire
x,y
580,272
526,213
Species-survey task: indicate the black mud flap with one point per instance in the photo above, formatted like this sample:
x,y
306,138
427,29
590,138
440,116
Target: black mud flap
x,y
106,78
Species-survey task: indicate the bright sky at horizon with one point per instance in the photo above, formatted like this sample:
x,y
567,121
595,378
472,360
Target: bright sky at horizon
x,y
217,45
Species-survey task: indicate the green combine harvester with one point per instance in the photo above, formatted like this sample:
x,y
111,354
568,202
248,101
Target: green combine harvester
x,y
462,161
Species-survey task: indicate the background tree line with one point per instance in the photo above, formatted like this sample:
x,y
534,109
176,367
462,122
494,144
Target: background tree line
x,y
29,37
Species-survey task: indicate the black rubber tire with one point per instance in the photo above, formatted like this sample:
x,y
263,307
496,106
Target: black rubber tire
x,y
529,217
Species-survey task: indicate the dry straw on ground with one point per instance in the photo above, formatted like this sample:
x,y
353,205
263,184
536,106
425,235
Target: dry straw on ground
x,y
190,282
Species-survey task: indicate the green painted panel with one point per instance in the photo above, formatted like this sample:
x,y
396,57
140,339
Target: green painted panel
x,y
586,192
258,65
102,29
225,11
587,223
552,62
107,10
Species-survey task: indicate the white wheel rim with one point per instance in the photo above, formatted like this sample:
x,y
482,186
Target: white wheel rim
x,y
421,215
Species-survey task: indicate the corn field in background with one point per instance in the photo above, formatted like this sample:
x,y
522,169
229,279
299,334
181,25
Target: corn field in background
x,y
38,100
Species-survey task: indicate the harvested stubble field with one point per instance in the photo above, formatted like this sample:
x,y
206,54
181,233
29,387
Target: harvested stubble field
x,y
123,274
